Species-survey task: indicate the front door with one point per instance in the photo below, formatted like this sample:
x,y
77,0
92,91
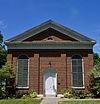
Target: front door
x,y
50,84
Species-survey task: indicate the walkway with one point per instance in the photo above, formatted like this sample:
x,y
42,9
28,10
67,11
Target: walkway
x,y
55,100
50,100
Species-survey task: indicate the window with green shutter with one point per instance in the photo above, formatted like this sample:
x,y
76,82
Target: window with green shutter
x,y
77,71
22,72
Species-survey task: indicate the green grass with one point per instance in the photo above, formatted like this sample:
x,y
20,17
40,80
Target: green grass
x,y
20,101
81,102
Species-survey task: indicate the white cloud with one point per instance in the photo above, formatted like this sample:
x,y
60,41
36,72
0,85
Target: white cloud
x,y
97,45
97,48
3,25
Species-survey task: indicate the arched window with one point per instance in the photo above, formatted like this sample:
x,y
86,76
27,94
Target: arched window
x,y
22,72
77,71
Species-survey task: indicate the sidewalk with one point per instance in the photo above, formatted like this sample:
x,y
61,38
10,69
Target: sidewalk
x,y
50,100
55,100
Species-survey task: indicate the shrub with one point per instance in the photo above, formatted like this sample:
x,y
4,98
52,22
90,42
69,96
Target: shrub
x,y
75,94
25,96
95,88
78,94
33,94
81,95
20,94
67,92
67,95
94,84
7,79
2,92
72,93
88,95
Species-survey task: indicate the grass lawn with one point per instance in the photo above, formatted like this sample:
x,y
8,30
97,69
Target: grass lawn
x,y
20,101
80,102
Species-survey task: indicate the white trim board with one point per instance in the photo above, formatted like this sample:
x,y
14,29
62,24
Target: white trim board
x,y
52,45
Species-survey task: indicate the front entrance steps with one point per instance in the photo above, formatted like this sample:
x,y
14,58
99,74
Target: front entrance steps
x,y
58,95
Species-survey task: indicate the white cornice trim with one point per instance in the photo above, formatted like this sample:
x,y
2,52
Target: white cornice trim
x,y
50,45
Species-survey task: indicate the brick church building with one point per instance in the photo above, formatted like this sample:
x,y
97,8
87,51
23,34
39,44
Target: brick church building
x,y
50,57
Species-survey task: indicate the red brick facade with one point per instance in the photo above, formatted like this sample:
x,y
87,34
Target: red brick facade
x,y
60,61
51,45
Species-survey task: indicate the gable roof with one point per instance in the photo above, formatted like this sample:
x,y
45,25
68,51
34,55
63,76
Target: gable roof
x,y
50,24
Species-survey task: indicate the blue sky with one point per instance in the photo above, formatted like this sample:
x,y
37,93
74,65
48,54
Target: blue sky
x,y
17,16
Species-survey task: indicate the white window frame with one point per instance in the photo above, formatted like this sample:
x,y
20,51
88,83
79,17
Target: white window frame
x,y
82,74
17,75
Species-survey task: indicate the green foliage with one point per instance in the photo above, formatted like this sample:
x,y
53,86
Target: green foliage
x,y
21,94
79,94
67,95
33,94
1,38
96,58
6,72
95,87
82,95
94,76
95,71
89,95
72,93
7,80
24,95
3,52
2,92
67,92
2,56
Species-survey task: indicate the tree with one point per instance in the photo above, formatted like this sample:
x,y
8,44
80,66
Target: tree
x,y
7,79
1,38
6,71
2,52
96,58
94,76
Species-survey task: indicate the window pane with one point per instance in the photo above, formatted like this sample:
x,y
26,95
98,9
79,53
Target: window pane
x,y
75,76
74,62
80,83
79,62
74,69
22,74
79,68
75,83
77,79
77,73
80,76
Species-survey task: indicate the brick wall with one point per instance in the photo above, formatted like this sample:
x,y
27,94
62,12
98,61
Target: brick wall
x,y
39,61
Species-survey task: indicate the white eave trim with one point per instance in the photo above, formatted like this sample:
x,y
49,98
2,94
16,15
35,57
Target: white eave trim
x,y
50,45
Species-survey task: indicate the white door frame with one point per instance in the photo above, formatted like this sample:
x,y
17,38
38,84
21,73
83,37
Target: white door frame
x,y
47,70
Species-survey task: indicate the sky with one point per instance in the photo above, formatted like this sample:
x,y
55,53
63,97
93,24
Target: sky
x,y
83,16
